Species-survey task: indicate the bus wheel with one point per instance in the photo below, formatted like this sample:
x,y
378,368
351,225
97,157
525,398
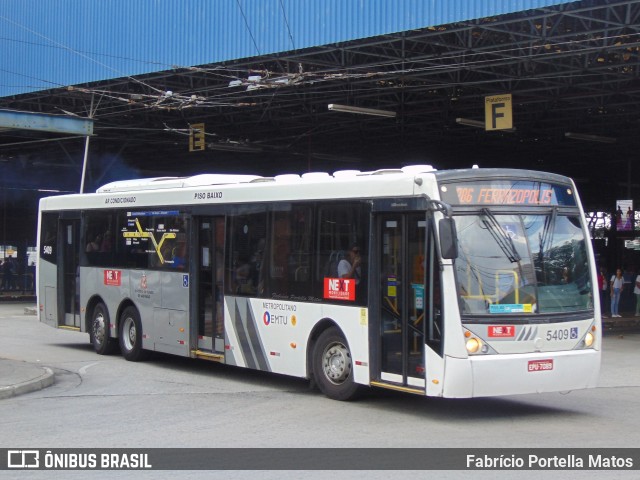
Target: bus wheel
x,y
131,335
333,366
99,330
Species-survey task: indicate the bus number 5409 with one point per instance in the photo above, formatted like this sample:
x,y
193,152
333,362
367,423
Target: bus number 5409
x,y
562,334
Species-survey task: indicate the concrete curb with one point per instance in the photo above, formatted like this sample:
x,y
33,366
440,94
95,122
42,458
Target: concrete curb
x,y
38,383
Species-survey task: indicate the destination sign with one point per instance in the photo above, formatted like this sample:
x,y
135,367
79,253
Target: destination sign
x,y
507,193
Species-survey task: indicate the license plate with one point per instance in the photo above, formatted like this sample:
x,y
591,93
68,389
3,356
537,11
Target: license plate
x,y
540,365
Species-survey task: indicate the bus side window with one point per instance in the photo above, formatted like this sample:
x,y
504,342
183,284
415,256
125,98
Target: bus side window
x,y
245,263
98,240
49,237
300,250
289,259
340,227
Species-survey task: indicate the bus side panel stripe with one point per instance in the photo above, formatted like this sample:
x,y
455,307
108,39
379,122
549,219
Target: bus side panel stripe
x,y
256,341
229,357
247,332
241,332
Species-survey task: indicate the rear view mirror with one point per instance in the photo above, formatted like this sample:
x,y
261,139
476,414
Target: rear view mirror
x,y
448,238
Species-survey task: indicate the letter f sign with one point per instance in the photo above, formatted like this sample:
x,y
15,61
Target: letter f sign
x,y
498,112
495,114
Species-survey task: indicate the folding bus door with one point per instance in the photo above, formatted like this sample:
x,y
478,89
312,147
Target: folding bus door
x,y
402,264
69,273
210,290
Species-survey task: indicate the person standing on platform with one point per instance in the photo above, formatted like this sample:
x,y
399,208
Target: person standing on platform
x,y
617,286
636,291
8,269
603,287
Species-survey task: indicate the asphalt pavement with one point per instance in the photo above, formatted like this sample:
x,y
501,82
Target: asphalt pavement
x,y
17,377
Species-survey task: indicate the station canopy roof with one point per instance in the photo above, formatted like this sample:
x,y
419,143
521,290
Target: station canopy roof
x,y
572,70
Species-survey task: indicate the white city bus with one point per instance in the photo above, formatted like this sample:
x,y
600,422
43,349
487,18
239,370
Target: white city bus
x,y
470,283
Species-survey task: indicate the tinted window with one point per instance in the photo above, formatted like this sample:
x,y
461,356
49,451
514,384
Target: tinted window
x,y
98,238
154,239
49,237
246,261
290,253
287,253
340,228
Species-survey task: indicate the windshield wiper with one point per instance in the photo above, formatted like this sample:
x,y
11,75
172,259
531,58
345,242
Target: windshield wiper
x,y
549,227
546,238
504,241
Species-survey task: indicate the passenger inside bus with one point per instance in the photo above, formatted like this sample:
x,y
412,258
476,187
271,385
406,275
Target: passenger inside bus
x,y
179,254
242,276
105,246
95,244
256,263
350,267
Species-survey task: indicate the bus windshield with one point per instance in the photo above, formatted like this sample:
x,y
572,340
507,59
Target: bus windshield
x,y
522,264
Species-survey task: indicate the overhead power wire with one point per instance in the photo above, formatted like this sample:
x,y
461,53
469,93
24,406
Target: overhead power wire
x,y
286,21
181,100
440,58
76,52
118,57
246,22
32,78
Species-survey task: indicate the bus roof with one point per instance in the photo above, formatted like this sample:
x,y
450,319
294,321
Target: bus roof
x,y
227,179
500,173
238,189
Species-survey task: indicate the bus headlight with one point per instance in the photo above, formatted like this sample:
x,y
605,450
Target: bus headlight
x,y
588,339
473,345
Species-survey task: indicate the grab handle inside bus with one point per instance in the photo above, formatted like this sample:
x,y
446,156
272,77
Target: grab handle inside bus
x,y
448,238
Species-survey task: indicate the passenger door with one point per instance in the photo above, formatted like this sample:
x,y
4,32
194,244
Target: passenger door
x,y
69,273
210,301
402,298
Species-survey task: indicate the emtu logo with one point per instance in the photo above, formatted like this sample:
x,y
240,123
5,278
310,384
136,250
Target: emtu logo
x,y
266,318
23,459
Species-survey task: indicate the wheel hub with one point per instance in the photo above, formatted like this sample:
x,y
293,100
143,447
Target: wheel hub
x,y
337,363
130,333
99,329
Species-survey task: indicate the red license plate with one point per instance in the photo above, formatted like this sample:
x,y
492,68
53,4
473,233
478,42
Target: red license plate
x,y
540,365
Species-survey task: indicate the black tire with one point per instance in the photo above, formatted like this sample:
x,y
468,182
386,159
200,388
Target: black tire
x,y
130,335
333,366
102,343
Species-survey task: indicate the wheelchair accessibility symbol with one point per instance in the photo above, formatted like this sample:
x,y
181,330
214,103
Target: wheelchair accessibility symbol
x,y
510,231
185,281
